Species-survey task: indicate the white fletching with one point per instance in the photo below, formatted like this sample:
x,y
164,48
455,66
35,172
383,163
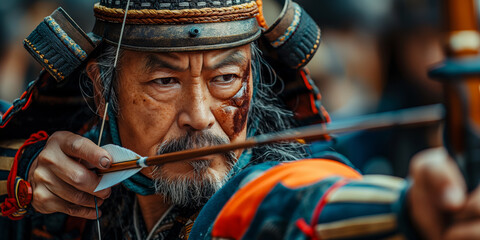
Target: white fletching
x,y
119,154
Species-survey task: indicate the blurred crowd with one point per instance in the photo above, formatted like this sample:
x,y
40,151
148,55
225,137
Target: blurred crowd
x,y
374,57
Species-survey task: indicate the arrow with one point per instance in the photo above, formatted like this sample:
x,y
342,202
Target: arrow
x,y
406,117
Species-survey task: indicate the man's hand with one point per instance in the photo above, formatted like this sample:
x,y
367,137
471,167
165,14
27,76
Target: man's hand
x,y
467,221
439,204
62,177
438,192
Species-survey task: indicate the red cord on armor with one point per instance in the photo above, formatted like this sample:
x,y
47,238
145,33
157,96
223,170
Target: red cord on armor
x,y
10,206
309,230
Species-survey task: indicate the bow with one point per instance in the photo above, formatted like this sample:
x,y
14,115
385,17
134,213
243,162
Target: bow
x,y
459,74
107,102
127,163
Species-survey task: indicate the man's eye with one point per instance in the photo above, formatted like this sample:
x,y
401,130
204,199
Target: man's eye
x,y
225,78
165,81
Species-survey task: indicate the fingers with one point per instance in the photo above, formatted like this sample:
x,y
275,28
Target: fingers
x,y
467,221
68,170
77,146
439,176
424,214
45,202
44,177
464,231
51,194
61,183
72,195
438,188
471,210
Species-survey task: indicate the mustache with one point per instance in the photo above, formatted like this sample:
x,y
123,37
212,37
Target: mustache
x,y
193,140
195,191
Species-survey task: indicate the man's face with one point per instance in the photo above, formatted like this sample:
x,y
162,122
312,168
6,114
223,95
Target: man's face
x,y
166,96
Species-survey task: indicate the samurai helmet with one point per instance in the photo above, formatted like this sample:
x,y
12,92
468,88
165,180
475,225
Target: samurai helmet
x,y
179,25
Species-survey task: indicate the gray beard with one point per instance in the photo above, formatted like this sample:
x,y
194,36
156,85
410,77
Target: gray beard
x,y
193,191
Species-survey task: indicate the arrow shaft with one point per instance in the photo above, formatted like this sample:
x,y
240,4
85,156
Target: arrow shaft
x,y
414,116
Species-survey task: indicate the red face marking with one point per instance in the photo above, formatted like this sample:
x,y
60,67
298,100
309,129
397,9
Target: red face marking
x,y
234,111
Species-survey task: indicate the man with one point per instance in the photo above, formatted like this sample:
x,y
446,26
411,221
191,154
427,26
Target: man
x,y
176,90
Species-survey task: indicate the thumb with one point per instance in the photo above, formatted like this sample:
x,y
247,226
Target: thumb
x,y
441,178
437,190
79,147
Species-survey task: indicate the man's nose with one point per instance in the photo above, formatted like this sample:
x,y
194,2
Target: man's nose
x,y
196,113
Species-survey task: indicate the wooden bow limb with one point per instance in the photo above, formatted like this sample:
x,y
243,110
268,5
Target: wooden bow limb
x,y
413,116
460,75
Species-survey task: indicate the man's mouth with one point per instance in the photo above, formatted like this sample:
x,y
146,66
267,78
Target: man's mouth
x,y
200,165
194,140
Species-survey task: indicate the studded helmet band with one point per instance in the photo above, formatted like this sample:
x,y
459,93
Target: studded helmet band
x,y
173,26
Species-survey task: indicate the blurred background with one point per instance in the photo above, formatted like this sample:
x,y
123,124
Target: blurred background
x,y
17,19
374,57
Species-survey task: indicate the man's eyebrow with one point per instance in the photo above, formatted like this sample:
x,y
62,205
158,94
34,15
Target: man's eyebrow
x,y
236,58
153,62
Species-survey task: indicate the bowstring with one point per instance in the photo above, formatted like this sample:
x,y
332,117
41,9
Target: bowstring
x,y
107,102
